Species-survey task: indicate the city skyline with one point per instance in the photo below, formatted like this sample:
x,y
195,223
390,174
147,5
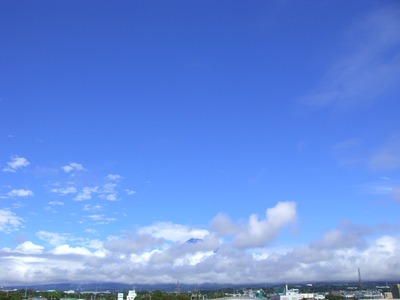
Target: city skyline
x,y
199,141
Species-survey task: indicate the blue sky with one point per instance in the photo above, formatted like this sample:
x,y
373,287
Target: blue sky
x,y
268,130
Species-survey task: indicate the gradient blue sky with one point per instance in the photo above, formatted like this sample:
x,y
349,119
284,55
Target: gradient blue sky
x,y
268,129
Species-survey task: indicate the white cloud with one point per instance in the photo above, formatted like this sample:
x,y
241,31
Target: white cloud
x,y
111,197
192,258
9,222
66,249
224,225
255,233
164,265
147,256
173,232
73,167
114,177
16,163
258,233
29,248
86,193
387,244
345,237
110,189
20,193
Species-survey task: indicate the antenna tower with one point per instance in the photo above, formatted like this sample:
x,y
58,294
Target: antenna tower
x,y
359,279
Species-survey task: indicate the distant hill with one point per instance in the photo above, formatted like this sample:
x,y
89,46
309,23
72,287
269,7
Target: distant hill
x,y
120,287
171,287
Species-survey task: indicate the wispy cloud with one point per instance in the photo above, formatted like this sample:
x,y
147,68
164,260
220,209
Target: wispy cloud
x,y
396,193
17,162
56,203
53,238
348,152
369,68
388,156
101,219
91,231
130,192
385,156
64,190
110,188
89,207
18,204
384,186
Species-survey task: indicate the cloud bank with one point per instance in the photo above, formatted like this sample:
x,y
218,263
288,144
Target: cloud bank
x,y
225,251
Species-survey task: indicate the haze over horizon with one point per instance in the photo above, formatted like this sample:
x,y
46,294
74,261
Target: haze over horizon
x,y
199,141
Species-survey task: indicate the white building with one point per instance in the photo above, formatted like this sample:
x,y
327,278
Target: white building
x,y
131,295
292,294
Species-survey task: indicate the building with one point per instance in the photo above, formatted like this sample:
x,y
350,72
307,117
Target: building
x,y
292,294
396,291
131,295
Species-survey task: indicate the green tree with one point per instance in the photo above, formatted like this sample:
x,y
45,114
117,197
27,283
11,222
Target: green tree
x,y
334,297
10,295
157,295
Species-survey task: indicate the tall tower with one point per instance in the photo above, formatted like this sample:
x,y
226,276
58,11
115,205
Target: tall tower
x,y
359,280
